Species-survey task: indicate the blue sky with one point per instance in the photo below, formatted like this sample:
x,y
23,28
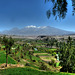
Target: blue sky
x,y
21,13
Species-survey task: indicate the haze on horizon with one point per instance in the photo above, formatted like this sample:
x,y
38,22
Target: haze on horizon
x,y
21,13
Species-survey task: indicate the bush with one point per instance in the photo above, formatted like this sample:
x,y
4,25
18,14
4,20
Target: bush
x,y
50,51
17,59
52,63
54,53
21,56
37,55
27,64
11,55
43,67
34,60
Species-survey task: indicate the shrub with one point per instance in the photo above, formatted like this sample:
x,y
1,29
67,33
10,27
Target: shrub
x,y
43,67
17,59
27,64
37,55
21,56
52,63
50,51
34,60
54,53
11,55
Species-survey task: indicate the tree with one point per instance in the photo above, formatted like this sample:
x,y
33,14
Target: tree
x,y
8,44
73,4
26,48
11,42
59,8
51,42
5,42
43,67
57,44
0,39
67,57
46,39
17,49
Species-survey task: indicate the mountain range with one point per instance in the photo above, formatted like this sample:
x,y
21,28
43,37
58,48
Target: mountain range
x,y
35,31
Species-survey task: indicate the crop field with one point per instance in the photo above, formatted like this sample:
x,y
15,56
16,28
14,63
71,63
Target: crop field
x,y
3,58
28,71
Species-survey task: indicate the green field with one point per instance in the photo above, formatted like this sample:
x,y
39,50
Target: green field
x,y
3,58
28,71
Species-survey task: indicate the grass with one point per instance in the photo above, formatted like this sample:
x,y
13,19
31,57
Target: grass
x,y
57,64
48,57
29,71
53,49
3,58
42,54
38,52
3,46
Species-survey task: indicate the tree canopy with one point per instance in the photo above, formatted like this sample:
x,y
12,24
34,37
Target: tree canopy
x,y
59,9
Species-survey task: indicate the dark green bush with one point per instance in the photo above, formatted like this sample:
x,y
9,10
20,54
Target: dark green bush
x,y
37,55
43,67
52,63
27,64
34,60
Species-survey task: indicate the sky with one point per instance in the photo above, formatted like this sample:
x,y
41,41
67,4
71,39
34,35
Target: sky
x,y
21,13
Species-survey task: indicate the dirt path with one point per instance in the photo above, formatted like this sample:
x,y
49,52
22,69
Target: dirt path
x,y
2,66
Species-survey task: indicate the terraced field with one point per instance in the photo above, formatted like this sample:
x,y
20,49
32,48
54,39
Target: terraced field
x,y
28,71
3,58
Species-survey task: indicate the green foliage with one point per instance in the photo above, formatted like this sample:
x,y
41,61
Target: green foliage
x,y
59,8
67,56
3,58
28,71
52,62
43,67
54,53
27,64
57,64
8,44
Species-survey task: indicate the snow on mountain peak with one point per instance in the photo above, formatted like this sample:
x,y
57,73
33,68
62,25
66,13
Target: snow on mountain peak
x,y
32,26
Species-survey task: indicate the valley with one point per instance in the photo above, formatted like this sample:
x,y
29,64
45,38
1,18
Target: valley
x,y
41,55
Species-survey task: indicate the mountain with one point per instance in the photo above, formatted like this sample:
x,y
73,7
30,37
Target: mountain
x,y
35,31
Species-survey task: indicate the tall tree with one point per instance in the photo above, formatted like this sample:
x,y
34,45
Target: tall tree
x,y
11,42
67,58
8,44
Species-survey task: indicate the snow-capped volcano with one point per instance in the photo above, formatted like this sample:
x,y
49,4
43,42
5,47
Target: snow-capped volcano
x,y
36,30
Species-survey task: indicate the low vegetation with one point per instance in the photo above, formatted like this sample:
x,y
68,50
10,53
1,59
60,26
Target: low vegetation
x,y
28,71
